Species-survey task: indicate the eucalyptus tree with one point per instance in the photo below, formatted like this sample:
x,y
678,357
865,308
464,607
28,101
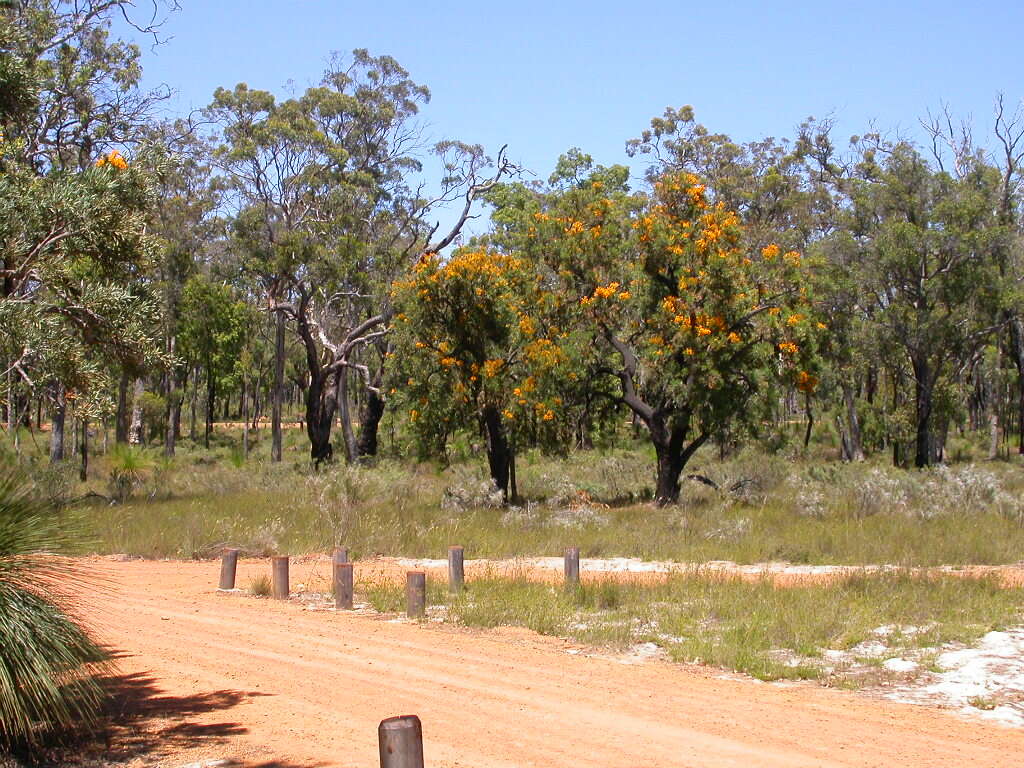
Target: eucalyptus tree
x,y
327,217
213,327
919,263
74,251
187,229
955,148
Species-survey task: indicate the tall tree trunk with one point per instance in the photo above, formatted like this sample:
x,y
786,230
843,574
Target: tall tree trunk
x,y
345,417
136,435
993,436
513,487
192,405
257,406
57,414
1017,345
923,395
809,410
122,422
173,426
9,405
372,413
211,402
83,467
856,448
245,416
278,391
499,454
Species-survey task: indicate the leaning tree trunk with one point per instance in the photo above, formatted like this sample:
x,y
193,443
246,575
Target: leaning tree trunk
x,y
499,453
278,391
57,415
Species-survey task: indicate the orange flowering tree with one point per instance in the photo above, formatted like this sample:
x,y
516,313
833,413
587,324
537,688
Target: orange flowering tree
x,y
477,353
686,326
578,225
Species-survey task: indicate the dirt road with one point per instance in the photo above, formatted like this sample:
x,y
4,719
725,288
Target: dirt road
x,y
211,676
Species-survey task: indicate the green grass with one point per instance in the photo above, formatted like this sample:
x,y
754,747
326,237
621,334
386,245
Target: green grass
x,y
756,628
785,507
794,511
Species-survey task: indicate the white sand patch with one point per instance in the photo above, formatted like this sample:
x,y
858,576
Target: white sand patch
x,y
643,652
869,648
985,681
900,665
636,565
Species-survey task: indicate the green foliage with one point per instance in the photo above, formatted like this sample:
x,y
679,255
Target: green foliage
x,y
46,685
128,468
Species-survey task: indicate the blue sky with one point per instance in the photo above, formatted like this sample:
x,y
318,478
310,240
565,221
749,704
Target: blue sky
x,y
546,76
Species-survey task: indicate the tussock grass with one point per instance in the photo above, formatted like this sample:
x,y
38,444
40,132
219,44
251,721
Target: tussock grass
x,y
756,628
261,586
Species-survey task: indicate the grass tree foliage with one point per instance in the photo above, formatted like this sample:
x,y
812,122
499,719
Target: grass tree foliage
x,y
45,680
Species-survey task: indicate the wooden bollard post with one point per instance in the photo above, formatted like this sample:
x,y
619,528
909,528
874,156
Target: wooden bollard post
x,y
343,586
416,594
456,573
572,566
228,566
279,570
401,742
340,555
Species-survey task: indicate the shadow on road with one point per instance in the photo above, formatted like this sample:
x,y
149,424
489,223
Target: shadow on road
x,y
142,724
142,719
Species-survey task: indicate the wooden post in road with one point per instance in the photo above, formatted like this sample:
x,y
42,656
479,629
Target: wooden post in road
x,y
401,742
456,573
228,566
343,586
416,594
572,567
279,571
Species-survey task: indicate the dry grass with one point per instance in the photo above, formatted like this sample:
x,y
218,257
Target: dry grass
x,y
758,628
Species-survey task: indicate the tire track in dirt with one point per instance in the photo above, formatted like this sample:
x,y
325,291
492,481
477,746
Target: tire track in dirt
x,y
321,681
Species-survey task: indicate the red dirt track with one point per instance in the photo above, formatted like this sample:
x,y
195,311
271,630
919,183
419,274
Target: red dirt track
x,y
208,676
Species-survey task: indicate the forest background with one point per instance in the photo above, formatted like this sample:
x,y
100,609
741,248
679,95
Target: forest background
x,y
314,257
